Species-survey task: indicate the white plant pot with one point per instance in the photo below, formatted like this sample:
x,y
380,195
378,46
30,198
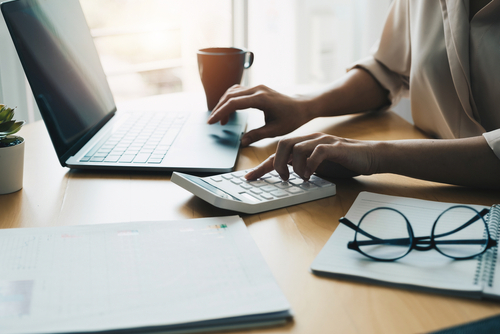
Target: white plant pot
x,y
11,168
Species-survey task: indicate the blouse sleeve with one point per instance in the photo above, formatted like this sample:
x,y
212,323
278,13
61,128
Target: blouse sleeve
x,y
493,139
390,59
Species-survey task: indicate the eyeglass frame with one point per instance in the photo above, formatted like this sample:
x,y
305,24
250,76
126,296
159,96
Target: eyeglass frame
x,y
354,245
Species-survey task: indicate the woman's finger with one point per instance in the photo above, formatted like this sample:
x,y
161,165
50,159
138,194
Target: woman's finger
x,y
301,153
225,106
266,131
264,168
233,104
285,151
235,90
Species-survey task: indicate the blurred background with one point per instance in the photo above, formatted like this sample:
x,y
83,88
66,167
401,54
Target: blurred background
x,y
148,47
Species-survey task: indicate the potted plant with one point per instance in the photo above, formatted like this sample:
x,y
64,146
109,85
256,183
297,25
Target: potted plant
x,y
11,152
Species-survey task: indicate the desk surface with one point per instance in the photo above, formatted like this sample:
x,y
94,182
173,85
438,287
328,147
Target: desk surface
x,y
289,238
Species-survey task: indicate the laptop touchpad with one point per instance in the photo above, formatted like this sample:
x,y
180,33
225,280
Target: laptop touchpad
x,y
203,145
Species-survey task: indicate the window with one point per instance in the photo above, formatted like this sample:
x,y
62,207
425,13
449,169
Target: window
x,y
310,42
148,47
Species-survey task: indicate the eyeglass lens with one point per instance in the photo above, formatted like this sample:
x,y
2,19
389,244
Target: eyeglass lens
x,y
460,232
386,224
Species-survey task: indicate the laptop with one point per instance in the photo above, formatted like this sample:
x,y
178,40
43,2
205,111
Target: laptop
x,y
60,60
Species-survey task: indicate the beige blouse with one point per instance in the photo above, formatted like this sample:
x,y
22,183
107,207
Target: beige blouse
x,y
448,67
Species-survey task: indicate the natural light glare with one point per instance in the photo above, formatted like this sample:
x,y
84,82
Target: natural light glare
x,y
148,47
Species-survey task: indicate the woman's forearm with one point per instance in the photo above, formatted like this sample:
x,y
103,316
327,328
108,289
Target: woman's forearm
x,y
468,161
355,92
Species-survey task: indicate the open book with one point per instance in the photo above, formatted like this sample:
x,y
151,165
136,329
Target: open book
x,y
428,270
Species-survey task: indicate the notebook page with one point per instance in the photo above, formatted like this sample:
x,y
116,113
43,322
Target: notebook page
x,y
98,277
427,269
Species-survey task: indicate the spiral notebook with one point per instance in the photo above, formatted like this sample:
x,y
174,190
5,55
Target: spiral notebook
x,y
429,270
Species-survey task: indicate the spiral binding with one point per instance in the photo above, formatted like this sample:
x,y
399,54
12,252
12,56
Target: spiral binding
x,y
485,270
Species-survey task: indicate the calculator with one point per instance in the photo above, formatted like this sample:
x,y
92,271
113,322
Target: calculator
x,y
233,192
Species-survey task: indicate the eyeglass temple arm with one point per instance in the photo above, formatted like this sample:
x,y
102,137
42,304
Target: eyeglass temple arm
x,y
405,242
351,225
375,240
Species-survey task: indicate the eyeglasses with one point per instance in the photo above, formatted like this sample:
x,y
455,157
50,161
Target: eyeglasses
x,y
385,234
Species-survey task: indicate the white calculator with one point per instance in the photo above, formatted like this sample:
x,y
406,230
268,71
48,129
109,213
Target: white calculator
x,y
233,192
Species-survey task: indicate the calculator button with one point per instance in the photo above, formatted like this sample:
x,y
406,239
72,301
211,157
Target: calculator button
x,y
279,193
297,182
283,185
273,179
308,186
250,197
295,190
319,181
258,183
269,188
256,191
267,196
216,178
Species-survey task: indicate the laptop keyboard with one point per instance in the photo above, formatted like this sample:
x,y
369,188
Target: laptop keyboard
x,y
140,139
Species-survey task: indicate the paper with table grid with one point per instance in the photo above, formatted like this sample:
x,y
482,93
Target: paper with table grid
x,y
132,275
418,269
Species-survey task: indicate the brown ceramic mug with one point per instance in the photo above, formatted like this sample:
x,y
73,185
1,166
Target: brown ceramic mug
x,y
221,68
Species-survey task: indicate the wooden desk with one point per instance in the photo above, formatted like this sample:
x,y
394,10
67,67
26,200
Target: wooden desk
x,y
289,238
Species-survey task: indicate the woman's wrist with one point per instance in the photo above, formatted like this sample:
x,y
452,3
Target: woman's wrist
x,y
312,107
306,108
382,159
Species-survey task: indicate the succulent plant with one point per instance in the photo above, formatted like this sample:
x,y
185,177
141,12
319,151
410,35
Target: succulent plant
x,y
8,127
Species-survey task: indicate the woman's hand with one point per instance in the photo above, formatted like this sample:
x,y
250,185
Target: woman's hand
x,y
466,161
327,155
282,113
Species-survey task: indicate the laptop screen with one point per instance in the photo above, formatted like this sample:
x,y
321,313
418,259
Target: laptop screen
x,y
61,63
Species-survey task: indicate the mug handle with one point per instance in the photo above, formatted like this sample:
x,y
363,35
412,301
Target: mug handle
x,y
248,60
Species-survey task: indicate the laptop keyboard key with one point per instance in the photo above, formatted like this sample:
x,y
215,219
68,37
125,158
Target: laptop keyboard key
x,y
112,158
127,158
141,158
